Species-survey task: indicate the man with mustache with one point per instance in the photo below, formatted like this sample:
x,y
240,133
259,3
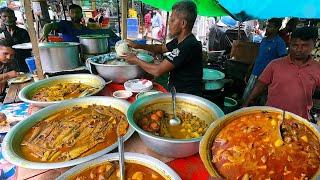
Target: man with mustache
x,y
14,35
292,80
71,29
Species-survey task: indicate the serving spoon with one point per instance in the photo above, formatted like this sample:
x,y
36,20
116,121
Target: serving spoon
x,y
175,121
121,131
280,141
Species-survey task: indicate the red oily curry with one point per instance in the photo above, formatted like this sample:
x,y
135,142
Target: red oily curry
x,y
249,148
111,171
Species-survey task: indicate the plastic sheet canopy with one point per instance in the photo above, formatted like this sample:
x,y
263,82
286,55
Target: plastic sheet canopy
x,y
205,7
265,9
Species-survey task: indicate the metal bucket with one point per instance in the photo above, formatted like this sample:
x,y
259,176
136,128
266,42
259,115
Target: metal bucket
x,y
59,56
94,44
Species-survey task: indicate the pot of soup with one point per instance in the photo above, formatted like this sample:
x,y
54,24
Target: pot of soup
x,y
59,56
94,44
150,116
259,143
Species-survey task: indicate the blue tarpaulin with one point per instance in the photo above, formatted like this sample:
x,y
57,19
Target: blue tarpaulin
x,y
265,9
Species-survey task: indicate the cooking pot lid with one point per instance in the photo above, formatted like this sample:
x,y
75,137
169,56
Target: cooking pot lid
x,y
212,74
93,36
23,46
57,44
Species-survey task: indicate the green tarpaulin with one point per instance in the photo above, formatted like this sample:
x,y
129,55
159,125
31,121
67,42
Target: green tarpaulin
x,y
205,7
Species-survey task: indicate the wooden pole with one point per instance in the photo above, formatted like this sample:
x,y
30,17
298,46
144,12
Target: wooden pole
x,y
124,15
33,37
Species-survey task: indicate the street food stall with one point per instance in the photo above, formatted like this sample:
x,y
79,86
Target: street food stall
x,y
92,119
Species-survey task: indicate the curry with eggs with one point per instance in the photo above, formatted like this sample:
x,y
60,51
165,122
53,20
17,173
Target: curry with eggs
x,y
72,133
111,171
249,147
157,123
62,91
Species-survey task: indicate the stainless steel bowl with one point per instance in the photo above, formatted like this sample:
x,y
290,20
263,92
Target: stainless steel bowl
x,y
11,143
27,92
207,141
116,73
141,159
94,43
177,148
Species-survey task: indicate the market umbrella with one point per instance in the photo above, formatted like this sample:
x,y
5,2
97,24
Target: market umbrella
x,y
205,7
256,9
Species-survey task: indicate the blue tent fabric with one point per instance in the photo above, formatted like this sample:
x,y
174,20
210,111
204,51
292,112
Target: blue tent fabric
x,y
265,9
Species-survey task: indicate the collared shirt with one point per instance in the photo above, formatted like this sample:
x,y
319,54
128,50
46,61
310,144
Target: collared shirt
x,y
157,20
70,33
290,87
269,50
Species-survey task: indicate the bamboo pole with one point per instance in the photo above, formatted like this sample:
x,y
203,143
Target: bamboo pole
x,y
124,15
33,37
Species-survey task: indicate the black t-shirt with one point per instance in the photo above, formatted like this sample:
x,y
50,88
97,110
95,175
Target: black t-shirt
x,y
187,60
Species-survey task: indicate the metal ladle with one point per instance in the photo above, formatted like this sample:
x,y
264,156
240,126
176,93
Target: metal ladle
x,y
175,121
121,131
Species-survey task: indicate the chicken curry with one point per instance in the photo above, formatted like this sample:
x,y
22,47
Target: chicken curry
x,y
71,133
249,148
157,123
111,171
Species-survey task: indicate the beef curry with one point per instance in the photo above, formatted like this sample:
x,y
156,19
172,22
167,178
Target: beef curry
x,y
111,171
249,148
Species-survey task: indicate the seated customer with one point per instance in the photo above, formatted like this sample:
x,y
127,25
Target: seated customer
x,y
6,56
14,35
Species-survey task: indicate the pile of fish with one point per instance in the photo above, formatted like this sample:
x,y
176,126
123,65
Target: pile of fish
x,y
71,133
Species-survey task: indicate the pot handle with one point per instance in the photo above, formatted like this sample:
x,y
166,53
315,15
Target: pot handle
x,y
88,65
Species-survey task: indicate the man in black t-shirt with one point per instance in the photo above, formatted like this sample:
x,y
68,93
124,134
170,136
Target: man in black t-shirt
x,y
184,61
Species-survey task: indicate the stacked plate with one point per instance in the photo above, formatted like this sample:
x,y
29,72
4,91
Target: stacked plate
x,y
138,85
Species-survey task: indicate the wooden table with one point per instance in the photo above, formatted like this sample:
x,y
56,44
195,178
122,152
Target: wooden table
x,y
13,91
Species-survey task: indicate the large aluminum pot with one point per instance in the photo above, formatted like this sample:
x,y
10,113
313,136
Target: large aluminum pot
x,y
207,140
116,73
59,56
94,44
168,147
11,143
142,159
92,80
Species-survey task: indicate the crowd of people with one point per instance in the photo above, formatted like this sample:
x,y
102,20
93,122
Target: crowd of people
x,y
154,25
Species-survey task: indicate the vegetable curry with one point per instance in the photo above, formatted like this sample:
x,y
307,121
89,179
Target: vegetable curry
x,y
111,171
249,148
71,133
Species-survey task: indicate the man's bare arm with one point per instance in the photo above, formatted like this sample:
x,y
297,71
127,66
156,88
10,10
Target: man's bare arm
x,y
256,92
